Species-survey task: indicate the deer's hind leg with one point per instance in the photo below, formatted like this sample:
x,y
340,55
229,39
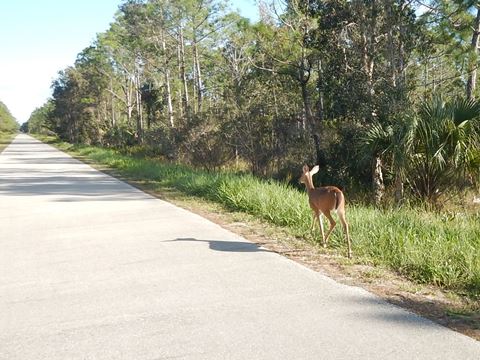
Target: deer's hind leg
x,y
341,216
332,226
314,219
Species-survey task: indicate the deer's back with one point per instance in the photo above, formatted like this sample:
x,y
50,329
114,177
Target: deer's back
x,y
326,198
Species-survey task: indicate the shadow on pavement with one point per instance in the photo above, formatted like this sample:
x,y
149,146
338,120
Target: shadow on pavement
x,y
223,245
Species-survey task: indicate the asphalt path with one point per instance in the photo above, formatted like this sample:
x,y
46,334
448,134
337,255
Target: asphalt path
x,y
92,268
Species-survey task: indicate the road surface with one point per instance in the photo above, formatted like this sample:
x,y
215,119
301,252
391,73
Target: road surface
x,y
92,268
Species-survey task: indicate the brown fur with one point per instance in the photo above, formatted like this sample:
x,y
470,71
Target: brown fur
x,y
322,201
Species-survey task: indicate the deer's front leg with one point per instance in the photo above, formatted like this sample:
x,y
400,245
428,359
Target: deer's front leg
x,y
320,222
314,218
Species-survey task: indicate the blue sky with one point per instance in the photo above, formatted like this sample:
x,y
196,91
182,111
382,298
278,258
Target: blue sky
x,y
41,37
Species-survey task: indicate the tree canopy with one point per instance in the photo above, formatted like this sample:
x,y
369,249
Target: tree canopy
x,y
7,121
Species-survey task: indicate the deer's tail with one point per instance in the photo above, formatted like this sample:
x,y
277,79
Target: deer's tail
x,y
339,198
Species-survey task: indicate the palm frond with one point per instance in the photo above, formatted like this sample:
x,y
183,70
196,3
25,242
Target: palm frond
x,y
463,110
376,139
443,144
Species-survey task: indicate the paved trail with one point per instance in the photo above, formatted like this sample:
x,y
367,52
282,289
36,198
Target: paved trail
x,y
91,268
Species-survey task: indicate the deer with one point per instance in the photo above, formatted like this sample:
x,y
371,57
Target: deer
x,y
322,201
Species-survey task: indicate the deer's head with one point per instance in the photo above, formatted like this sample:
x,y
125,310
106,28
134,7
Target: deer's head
x,y
307,174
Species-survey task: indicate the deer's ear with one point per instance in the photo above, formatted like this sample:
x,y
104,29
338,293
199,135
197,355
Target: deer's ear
x,y
314,170
305,168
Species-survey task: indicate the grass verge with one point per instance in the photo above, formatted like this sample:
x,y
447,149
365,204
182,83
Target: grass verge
x,y
5,139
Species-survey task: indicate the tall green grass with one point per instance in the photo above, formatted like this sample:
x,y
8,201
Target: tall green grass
x,y
6,138
425,247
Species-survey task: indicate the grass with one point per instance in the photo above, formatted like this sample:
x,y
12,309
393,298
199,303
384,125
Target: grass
x,y
426,247
5,139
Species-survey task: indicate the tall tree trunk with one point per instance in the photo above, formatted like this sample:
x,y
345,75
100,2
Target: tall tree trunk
x,y
179,89
129,99
396,57
183,72
378,185
196,64
112,102
167,81
311,120
391,46
368,23
398,189
194,92
472,76
129,113
320,86
139,106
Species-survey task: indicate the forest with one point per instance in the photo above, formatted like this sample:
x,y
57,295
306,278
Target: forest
x,y
7,121
381,94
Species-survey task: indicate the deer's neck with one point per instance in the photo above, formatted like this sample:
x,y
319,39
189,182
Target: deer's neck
x,y
309,184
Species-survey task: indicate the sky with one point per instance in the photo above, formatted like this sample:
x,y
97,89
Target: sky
x,y
38,38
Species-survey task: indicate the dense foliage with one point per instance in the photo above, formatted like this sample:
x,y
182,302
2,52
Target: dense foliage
x,y
378,92
7,121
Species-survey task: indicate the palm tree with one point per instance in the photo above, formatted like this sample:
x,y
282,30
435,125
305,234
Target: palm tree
x,y
444,146
386,145
433,150
375,144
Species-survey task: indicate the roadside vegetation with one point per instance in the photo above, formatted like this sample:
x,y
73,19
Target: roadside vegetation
x,y
8,126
